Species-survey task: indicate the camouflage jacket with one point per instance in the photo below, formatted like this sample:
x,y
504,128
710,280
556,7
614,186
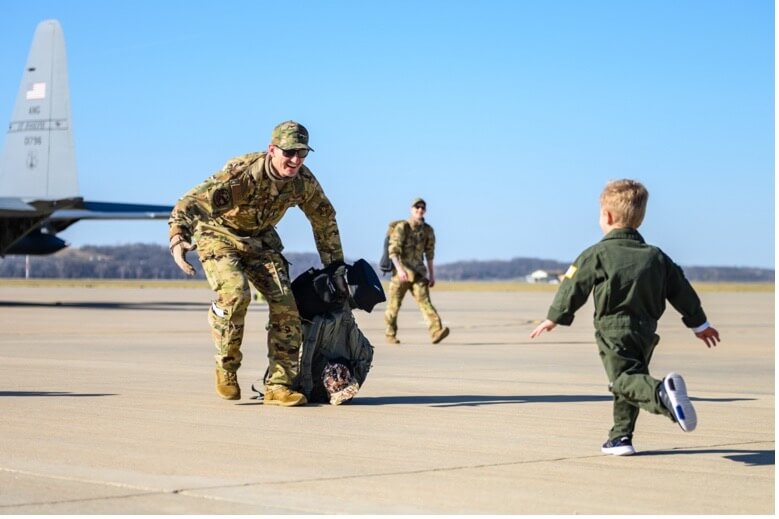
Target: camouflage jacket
x,y
630,281
240,205
412,242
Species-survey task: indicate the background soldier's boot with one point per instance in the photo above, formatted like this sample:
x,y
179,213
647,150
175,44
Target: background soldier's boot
x,y
284,396
440,335
227,384
391,339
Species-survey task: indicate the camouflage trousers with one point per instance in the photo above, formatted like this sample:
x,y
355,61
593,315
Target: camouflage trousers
x,y
229,272
421,290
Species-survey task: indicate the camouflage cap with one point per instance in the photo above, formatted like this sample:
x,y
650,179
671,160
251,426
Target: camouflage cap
x,y
290,135
418,201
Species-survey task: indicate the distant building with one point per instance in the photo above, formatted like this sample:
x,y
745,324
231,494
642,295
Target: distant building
x,y
542,276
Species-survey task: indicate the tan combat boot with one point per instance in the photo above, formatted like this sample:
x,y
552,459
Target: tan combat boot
x,y
391,339
284,396
227,384
440,335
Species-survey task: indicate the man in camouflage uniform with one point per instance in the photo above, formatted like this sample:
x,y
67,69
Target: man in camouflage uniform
x,y
411,241
230,219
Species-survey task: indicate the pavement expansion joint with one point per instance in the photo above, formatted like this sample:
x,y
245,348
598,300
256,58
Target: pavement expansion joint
x,y
80,500
196,491
679,450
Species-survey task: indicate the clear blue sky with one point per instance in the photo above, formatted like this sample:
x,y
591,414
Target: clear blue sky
x,y
508,117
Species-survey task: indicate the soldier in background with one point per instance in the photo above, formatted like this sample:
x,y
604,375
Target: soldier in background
x,y
410,242
230,219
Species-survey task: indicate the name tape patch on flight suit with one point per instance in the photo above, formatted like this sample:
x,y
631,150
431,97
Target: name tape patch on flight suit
x,y
570,272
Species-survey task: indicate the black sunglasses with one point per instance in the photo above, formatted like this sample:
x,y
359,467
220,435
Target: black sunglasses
x,y
291,153
420,207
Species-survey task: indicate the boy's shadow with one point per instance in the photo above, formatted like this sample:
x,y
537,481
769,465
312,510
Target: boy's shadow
x,y
751,458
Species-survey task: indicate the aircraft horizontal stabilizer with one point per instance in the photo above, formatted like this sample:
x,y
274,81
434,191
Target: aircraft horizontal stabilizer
x,y
113,211
16,205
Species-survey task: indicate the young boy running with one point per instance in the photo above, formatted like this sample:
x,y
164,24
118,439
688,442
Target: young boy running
x,y
631,281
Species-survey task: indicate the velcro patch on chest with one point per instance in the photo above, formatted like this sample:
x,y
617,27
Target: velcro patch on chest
x,y
221,199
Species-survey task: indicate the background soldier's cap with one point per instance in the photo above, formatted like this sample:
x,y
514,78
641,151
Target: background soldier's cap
x,y
290,135
419,201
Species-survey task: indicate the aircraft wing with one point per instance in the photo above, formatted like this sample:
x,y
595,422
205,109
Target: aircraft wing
x,y
30,227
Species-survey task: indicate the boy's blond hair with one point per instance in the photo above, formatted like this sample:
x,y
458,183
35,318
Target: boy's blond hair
x,y
626,200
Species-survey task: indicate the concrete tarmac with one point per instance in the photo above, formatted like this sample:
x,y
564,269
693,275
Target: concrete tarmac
x,y
108,407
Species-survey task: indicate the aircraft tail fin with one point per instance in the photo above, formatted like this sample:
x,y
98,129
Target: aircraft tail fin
x,y
38,160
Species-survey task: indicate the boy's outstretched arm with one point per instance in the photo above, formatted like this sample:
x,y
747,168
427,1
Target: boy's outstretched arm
x,y
710,336
546,326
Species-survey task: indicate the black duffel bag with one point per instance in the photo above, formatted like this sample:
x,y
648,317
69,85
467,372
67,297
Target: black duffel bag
x,y
364,285
319,291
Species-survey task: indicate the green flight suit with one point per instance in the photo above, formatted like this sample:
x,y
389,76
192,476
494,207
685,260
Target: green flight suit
x,y
412,242
630,281
231,218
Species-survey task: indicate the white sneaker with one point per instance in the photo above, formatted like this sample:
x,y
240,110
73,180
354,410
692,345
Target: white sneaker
x,y
678,402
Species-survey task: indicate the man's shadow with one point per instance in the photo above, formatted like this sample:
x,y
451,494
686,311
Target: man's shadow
x,y
467,400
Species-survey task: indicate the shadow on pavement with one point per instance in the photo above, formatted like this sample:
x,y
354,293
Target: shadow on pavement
x,y
752,458
518,342
51,393
475,400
